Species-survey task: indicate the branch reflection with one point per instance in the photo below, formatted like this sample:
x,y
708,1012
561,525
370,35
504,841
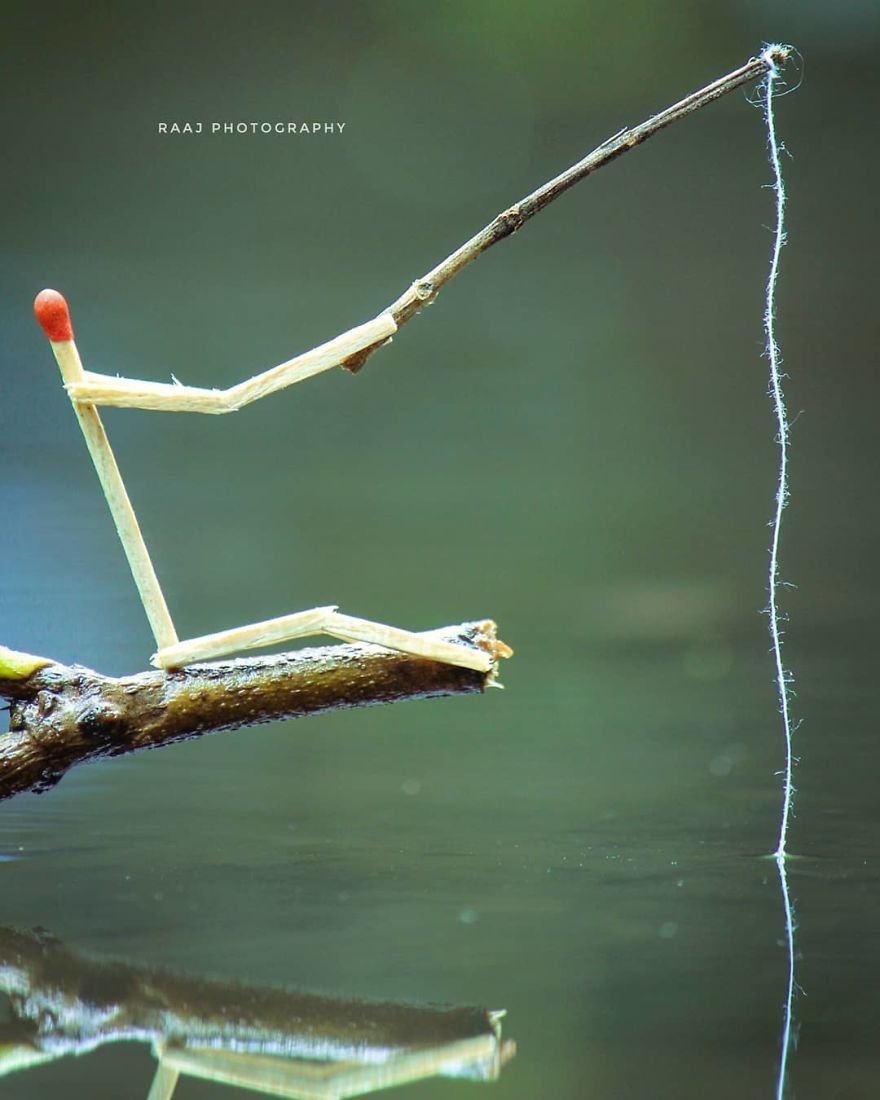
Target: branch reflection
x,y
281,1042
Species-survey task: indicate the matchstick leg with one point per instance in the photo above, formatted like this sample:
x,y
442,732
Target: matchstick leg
x,y
321,620
350,629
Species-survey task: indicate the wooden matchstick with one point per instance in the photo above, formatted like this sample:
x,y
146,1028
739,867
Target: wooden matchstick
x,y
350,629
323,620
301,624
54,318
132,393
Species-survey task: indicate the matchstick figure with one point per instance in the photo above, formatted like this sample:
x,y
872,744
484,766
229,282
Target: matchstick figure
x,y
87,390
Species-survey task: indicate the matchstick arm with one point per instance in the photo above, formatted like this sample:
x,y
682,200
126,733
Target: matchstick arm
x,y
132,393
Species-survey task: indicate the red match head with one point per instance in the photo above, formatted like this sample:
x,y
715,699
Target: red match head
x,y
54,316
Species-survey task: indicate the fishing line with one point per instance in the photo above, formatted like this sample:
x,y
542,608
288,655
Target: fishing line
x,y
782,676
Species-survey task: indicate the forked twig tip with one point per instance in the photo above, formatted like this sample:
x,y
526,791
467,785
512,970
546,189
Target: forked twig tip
x,y
776,54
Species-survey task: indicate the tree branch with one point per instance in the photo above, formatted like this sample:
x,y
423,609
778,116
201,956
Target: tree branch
x,y
62,715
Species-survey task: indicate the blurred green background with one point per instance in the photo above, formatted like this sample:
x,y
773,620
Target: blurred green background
x,y
575,440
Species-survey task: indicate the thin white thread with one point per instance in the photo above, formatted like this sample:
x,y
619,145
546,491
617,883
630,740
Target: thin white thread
x,y
783,679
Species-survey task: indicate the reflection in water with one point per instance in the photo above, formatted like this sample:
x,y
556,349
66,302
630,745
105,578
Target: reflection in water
x,y
281,1042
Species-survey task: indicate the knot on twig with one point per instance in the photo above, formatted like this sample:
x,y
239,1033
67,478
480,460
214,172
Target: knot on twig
x,y
509,221
100,722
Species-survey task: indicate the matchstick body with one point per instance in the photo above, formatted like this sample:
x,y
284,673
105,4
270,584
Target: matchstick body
x,y
51,311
